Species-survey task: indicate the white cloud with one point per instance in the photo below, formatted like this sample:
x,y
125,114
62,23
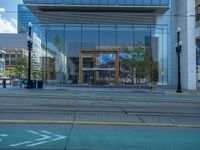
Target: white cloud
x,y
2,10
7,26
14,21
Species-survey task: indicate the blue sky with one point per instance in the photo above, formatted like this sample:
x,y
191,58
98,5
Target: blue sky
x,y
8,15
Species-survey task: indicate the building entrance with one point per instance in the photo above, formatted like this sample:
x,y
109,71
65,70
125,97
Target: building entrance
x,y
99,67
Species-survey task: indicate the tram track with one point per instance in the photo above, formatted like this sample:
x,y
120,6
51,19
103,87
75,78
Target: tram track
x,y
46,112
103,98
91,107
151,111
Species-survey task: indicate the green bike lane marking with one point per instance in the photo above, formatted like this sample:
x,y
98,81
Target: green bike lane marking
x,y
34,136
104,137
139,138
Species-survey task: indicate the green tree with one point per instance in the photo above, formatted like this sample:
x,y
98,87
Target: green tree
x,y
135,62
7,73
20,68
61,56
140,64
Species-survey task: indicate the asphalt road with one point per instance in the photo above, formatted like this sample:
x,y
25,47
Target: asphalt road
x,y
64,119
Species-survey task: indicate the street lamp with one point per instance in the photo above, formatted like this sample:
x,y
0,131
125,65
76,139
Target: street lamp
x,y
178,51
30,45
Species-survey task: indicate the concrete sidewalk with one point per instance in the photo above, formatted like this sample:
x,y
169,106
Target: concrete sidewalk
x,y
106,89
124,89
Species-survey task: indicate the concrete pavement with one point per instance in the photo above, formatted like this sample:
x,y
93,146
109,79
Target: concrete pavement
x,y
121,89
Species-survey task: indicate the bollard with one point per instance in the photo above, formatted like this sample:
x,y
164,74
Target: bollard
x,y
4,83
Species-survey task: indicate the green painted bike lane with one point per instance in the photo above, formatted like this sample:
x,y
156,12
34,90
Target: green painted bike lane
x,y
139,138
98,137
33,136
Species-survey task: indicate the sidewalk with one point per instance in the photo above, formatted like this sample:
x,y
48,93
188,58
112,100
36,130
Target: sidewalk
x,y
109,89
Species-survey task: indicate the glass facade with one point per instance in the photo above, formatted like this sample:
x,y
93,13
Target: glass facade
x,y
198,51
101,2
25,16
198,61
143,53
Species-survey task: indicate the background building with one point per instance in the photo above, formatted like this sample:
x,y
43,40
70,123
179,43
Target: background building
x,y
198,40
143,31
13,47
24,17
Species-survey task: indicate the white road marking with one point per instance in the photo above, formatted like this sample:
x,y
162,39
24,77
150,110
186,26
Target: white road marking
x,y
39,143
22,143
59,137
30,131
46,137
4,135
47,132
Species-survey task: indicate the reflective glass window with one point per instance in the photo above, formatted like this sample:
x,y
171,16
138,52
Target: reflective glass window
x,y
107,37
56,58
148,2
156,2
89,37
124,37
73,36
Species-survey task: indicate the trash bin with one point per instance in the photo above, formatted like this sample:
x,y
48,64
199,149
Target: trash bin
x,y
34,83
16,83
40,84
31,84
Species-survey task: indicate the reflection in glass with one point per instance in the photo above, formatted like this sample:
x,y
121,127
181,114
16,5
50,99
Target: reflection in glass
x,y
73,47
143,53
107,37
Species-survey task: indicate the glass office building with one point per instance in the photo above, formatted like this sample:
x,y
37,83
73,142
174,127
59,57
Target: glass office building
x,y
101,41
25,16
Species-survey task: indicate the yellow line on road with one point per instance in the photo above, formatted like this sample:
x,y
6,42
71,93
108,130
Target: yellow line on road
x,y
97,123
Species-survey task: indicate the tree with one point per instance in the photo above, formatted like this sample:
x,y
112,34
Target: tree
x,y
60,58
139,62
134,61
20,68
7,73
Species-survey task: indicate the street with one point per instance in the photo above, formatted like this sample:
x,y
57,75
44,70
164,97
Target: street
x,y
98,119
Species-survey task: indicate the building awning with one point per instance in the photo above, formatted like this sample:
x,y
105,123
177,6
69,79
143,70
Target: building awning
x,y
99,8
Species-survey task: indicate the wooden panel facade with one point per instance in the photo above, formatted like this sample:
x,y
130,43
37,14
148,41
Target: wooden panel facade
x,y
116,52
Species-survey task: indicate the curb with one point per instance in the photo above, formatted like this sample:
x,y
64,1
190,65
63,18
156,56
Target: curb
x,y
98,123
182,94
112,90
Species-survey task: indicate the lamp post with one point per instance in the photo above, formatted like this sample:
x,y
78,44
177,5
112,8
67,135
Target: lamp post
x,y
30,45
178,51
